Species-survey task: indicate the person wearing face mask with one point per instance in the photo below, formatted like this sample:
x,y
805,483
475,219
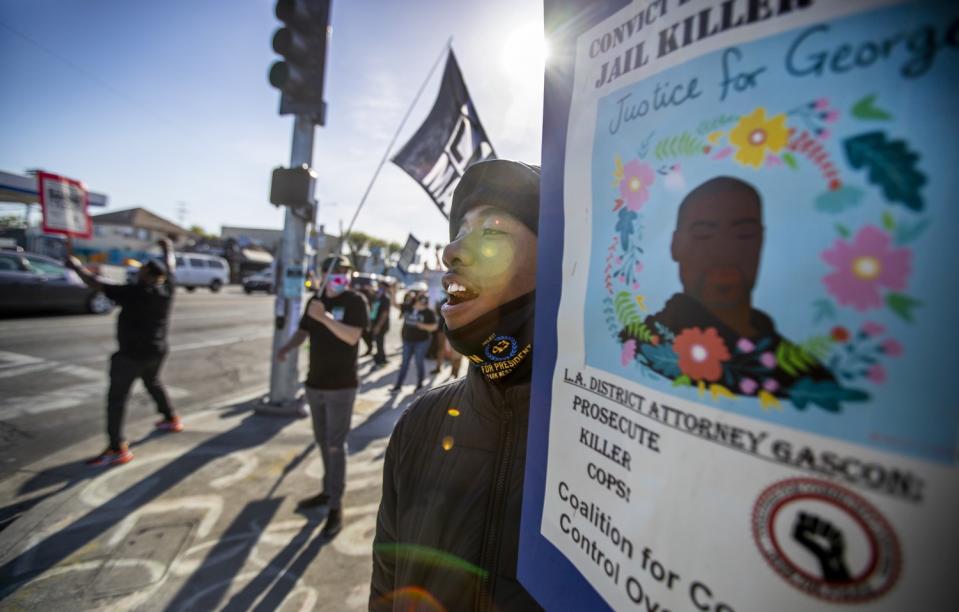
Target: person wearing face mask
x,y
334,324
417,325
380,321
447,530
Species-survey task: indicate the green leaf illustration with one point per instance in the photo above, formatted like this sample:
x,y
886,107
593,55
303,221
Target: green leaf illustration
x,y
823,309
891,166
906,233
628,314
790,160
663,359
843,230
793,359
818,346
840,200
682,381
683,145
902,305
866,110
827,394
888,222
711,125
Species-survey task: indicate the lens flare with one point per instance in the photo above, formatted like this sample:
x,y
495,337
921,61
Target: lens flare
x,y
409,598
453,412
447,442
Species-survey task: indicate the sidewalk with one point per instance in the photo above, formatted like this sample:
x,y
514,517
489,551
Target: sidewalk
x,y
201,520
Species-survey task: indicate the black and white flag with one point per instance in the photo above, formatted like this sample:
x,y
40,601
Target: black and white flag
x,y
408,254
450,139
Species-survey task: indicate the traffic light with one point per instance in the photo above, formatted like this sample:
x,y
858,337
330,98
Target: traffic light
x,y
302,43
293,187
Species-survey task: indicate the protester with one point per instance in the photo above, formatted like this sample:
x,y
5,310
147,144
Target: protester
x,y
417,325
334,324
142,338
380,317
448,525
369,292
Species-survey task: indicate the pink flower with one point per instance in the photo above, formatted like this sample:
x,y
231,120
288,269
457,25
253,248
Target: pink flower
x,y
877,374
832,116
768,360
745,345
748,386
823,134
637,178
822,103
629,352
865,265
871,328
770,385
891,347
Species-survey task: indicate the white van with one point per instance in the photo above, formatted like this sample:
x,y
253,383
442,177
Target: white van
x,y
197,270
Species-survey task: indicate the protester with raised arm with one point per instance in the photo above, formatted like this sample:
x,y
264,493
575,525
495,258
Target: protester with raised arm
x,y
142,328
334,323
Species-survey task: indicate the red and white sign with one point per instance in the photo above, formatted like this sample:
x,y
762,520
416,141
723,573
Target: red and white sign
x,y
64,204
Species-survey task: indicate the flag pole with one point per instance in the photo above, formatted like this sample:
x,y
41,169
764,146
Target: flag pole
x,y
389,147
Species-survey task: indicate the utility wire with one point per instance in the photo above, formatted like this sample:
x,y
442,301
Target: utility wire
x,y
90,75
389,147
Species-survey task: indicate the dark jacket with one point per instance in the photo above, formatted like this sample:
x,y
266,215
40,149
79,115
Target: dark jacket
x,y
449,518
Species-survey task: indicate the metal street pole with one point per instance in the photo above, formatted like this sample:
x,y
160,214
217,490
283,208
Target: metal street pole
x,y
288,283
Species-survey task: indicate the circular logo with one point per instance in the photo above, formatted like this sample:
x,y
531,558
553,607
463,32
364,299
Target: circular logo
x,y
501,348
826,541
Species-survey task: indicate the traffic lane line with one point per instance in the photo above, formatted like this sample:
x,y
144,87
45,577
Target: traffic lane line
x,y
110,321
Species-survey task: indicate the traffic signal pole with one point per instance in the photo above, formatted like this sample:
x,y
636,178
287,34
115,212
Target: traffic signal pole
x,y
288,283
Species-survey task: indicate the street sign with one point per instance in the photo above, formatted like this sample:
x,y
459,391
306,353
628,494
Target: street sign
x,y
64,205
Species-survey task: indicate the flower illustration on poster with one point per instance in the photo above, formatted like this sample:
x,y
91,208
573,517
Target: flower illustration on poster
x,y
867,266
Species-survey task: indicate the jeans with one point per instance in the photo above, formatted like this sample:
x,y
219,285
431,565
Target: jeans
x,y
416,350
331,411
124,370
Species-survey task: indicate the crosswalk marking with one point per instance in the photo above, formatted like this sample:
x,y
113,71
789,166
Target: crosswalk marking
x,y
92,389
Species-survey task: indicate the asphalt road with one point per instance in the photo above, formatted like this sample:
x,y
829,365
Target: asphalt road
x,y
53,369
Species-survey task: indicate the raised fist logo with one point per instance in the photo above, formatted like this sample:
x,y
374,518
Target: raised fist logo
x,y
825,541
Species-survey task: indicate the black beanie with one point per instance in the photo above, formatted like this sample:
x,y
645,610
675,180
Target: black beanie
x,y
509,185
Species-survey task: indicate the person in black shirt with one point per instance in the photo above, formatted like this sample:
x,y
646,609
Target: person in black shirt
x,y
417,325
380,318
142,337
369,292
334,324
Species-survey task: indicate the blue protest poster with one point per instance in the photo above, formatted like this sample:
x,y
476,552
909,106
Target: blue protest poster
x,y
745,321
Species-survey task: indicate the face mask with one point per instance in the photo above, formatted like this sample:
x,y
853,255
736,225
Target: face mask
x,y
500,343
337,283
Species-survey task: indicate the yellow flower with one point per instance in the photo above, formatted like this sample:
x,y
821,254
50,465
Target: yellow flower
x,y
618,172
754,135
641,302
718,391
768,400
714,137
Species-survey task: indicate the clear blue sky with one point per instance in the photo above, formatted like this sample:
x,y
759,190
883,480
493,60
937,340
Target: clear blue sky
x,y
156,103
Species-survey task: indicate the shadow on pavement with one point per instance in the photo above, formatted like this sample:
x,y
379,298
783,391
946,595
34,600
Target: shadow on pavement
x,y
225,559
251,432
67,474
280,574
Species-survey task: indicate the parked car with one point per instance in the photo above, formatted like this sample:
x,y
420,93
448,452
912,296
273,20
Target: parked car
x,y
259,281
197,270
29,281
